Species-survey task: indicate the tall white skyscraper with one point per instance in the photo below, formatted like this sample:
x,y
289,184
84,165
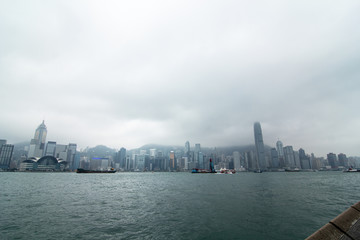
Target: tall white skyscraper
x,y
37,144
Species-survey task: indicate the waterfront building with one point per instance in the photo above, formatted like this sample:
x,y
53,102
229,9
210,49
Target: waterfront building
x,y
289,158
172,161
128,163
237,163
259,143
332,160
71,152
43,164
50,149
76,161
274,158
186,163
297,159
304,159
140,163
250,161
6,152
37,144
315,162
122,156
202,164
343,161
187,148
279,148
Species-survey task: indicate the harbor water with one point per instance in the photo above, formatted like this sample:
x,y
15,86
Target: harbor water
x,y
149,205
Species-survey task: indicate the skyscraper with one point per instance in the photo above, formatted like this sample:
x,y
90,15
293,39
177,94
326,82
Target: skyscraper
x,y
289,157
187,147
332,159
237,163
122,156
274,158
259,143
343,161
279,148
50,149
6,151
37,144
172,161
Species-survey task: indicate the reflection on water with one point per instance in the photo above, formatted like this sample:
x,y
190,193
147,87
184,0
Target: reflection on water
x,y
172,205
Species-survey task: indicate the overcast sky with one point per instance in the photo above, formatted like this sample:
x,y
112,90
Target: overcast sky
x,y
128,73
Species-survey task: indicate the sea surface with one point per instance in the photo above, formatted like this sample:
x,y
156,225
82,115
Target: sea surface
x,y
172,205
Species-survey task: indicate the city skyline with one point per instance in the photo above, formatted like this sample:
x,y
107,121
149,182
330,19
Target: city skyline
x,y
40,155
124,76
38,146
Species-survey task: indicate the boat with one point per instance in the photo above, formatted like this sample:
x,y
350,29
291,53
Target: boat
x,y
292,170
212,169
227,171
258,171
81,170
352,170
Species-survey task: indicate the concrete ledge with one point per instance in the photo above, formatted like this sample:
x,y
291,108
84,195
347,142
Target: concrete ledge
x,y
356,206
329,232
345,226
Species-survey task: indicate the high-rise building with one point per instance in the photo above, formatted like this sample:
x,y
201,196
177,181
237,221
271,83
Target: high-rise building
x,y
259,143
6,152
197,147
187,147
172,161
274,158
304,159
289,157
37,144
279,148
50,149
122,156
71,150
2,142
187,151
152,152
343,161
332,159
237,163
297,159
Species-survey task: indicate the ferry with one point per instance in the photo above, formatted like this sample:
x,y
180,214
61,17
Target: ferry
x,y
81,170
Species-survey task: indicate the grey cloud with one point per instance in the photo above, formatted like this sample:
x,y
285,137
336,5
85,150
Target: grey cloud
x,y
131,73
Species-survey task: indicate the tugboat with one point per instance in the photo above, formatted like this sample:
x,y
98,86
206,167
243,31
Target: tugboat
x,y
81,170
212,169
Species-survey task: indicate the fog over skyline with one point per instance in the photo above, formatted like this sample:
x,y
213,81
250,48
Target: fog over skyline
x,y
129,73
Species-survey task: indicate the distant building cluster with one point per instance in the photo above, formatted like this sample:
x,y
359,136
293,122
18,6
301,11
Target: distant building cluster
x,y
40,155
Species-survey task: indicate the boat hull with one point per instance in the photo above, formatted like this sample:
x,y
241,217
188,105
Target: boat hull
x,y
80,170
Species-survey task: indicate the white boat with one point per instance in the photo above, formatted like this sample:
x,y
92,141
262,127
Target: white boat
x,y
227,171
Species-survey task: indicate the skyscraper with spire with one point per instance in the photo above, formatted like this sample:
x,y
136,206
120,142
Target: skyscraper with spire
x,y
259,143
37,144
